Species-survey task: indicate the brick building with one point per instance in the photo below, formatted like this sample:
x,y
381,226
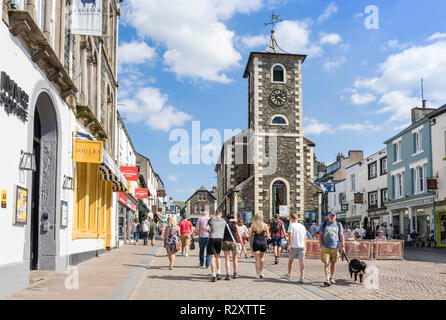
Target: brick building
x,y
201,201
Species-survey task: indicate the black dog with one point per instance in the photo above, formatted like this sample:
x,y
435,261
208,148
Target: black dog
x,y
356,267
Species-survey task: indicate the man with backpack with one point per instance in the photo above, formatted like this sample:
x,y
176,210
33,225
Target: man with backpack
x,y
277,231
331,241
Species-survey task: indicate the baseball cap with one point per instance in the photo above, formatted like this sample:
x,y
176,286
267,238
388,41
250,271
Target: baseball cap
x,y
332,213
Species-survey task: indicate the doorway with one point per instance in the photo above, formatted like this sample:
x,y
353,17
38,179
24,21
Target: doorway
x,y
43,236
279,194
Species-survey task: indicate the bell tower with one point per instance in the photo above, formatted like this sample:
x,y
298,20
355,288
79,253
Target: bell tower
x,y
275,118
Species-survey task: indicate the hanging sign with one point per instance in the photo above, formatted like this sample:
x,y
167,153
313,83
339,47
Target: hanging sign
x,y
432,184
86,17
3,199
160,193
87,151
123,198
130,173
133,207
359,198
141,193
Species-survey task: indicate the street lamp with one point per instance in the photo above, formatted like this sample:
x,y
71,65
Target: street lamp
x,y
27,161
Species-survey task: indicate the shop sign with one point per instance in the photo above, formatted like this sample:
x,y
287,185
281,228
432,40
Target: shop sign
x,y
123,198
130,173
359,198
13,98
160,193
432,184
341,215
86,17
87,151
141,193
344,207
153,208
3,201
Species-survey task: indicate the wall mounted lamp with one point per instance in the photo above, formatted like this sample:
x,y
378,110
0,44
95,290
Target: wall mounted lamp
x,y
27,161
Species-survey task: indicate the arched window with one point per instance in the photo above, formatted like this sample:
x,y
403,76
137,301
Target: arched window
x,y
278,74
279,120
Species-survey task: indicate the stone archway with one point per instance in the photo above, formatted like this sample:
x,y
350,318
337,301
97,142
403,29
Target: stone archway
x,y
44,186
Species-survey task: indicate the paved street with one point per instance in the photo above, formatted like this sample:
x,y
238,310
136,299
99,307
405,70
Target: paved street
x,y
122,274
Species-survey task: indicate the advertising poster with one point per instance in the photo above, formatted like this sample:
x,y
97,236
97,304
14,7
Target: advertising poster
x,y
21,205
86,17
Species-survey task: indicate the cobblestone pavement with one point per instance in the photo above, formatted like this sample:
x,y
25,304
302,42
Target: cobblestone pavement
x,y
189,281
422,275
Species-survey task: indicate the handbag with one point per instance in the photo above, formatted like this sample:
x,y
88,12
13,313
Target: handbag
x,y
238,246
192,244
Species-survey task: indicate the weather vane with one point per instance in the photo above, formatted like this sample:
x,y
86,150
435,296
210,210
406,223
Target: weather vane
x,y
275,19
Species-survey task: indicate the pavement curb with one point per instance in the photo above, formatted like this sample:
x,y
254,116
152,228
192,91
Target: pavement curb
x,y
124,291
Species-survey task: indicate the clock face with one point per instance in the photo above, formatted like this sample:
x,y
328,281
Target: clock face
x,y
278,97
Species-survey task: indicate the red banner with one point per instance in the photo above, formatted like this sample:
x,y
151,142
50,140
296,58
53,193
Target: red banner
x,y
123,198
130,173
313,249
141,193
392,249
358,249
133,206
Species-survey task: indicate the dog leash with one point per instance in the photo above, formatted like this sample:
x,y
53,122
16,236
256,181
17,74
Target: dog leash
x,y
344,255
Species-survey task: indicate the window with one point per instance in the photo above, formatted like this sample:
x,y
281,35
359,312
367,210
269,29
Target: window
x,y
418,140
398,186
343,197
197,209
398,151
383,165
353,182
278,74
383,197
420,179
373,170
202,208
279,120
373,199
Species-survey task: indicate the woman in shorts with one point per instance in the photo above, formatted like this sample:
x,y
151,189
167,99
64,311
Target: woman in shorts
x,y
243,230
259,234
229,245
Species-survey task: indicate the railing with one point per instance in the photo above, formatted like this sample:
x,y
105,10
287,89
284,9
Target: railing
x,y
363,249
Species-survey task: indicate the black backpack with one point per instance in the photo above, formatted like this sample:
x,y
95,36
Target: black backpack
x,y
275,226
324,224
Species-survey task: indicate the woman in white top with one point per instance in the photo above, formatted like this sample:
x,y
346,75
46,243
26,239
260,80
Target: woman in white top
x,y
245,236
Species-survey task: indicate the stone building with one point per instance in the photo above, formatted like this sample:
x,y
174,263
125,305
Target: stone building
x,y
200,202
65,91
263,169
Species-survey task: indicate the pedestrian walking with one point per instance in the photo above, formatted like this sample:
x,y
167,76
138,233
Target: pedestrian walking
x,y
152,231
230,246
185,227
314,228
243,230
203,238
171,240
216,228
331,242
136,228
297,236
277,231
145,229
259,234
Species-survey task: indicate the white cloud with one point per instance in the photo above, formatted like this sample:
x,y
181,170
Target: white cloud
x,y
251,42
330,65
150,106
362,98
197,43
437,36
135,52
397,85
330,38
359,127
314,127
293,36
331,9
172,178
394,45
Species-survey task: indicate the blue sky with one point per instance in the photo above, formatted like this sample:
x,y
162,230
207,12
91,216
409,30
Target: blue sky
x,y
183,61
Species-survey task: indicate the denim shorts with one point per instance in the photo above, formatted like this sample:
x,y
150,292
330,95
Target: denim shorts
x,y
276,241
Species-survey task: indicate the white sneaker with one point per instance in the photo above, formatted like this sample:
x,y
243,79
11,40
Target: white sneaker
x,y
287,276
187,255
301,280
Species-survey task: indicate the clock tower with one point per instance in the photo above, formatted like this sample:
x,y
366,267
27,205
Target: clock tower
x,y
275,120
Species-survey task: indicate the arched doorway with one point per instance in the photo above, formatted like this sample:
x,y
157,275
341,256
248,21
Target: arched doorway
x,y
279,196
43,204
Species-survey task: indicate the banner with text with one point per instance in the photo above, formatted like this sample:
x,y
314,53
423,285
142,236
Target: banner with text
x,y
86,17
130,173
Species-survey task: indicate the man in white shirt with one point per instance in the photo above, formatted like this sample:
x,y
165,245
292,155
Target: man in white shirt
x,y
296,239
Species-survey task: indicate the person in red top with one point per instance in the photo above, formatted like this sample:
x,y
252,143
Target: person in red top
x,y
277,231
185,235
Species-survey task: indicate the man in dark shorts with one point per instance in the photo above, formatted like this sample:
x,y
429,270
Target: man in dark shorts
x,y
277,231
216,228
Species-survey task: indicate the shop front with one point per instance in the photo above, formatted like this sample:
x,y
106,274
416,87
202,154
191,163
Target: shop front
x,y
127,213
440,224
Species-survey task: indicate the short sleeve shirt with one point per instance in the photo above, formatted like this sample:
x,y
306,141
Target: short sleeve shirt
x,y
217,228
330,234
185,227
201,224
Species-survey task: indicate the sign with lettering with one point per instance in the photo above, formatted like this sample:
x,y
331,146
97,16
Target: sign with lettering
x,y
432,184
160,193
13,98
123,198
141,193
359,198
130,173
358,249
86,17
3,201
392,249
87,151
